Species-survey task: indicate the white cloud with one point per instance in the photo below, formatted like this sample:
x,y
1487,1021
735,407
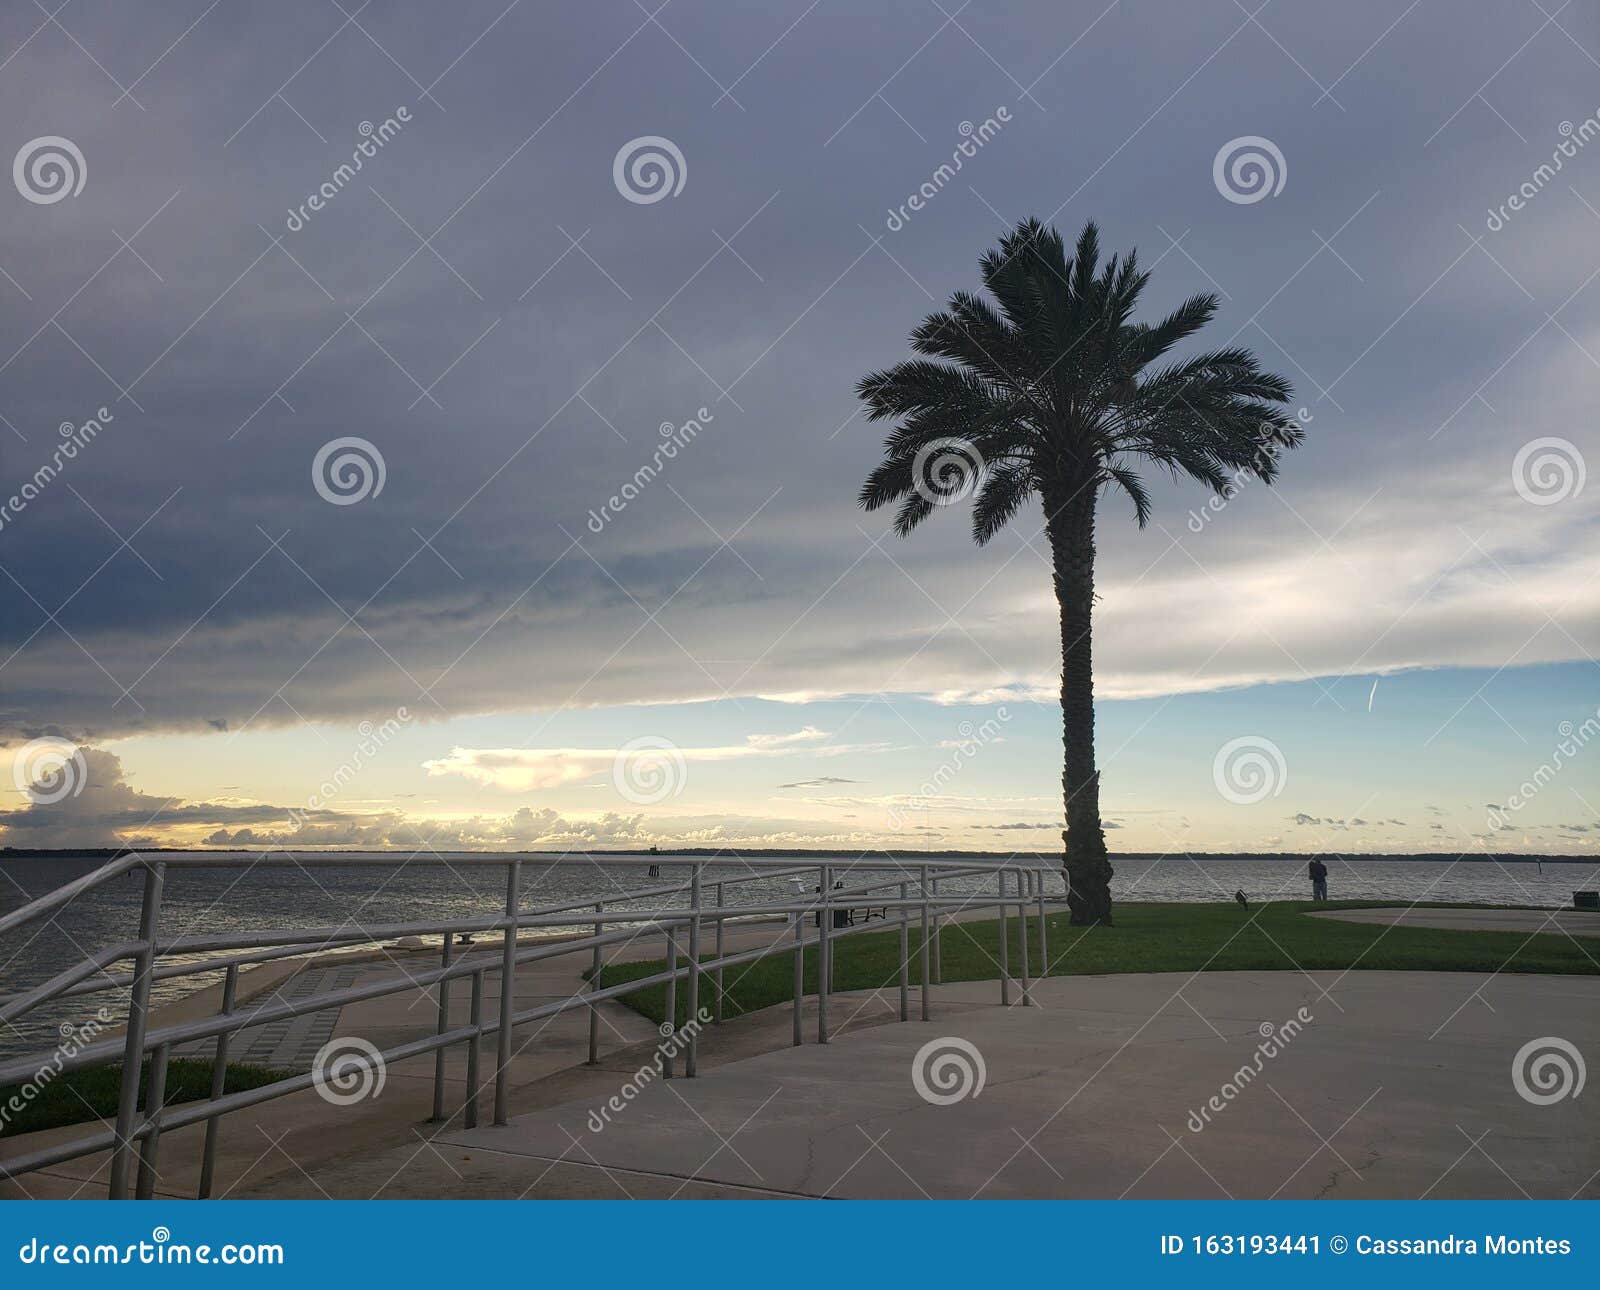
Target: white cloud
x,y
525,769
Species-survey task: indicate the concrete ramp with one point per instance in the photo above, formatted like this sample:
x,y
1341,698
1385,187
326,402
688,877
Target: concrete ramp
x,y
1400,1085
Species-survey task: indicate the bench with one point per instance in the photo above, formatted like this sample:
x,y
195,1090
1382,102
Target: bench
x,y
1586,900
853,915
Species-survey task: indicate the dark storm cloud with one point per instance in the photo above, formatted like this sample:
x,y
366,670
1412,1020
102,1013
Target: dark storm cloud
x,y
482,304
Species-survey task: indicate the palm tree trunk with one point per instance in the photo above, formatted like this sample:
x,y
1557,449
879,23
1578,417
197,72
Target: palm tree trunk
x,y
1070,527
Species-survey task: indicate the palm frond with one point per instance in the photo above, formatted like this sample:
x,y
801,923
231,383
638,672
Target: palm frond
x,y
1005,488
1052,380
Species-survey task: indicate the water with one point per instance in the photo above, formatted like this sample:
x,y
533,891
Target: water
x,y
219,901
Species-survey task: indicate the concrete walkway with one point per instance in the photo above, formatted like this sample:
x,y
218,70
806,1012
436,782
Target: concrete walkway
x,y
1577,922
1400,1086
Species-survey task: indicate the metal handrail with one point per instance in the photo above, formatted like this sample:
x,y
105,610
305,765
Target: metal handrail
x,y
361,936
136,1137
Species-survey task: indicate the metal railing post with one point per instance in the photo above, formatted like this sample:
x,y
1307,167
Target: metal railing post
x,y
1044,930
155,1099
1022,938
691,1010
1005,948
508,993
138,1016
824,952
927,1011
446,957
938,941
594,984
799,972
905,953
219,1084
671,1023
469,1114
722,923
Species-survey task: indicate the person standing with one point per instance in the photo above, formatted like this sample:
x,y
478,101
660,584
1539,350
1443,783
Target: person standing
x,y
1319,879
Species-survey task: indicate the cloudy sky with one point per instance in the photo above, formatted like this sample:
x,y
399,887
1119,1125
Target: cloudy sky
x,y
446,631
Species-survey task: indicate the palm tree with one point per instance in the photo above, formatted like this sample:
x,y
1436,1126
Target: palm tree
x,y
1050,392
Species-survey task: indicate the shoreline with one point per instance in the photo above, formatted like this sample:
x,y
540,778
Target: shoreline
x,y
736,853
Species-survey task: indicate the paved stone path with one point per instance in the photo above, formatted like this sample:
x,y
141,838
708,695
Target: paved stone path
x,y
291,1044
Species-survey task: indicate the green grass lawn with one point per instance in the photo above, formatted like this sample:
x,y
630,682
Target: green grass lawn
x,y
1217,937
91,1094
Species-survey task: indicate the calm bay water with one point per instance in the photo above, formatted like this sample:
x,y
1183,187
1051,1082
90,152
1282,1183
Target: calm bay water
x,y
198,900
